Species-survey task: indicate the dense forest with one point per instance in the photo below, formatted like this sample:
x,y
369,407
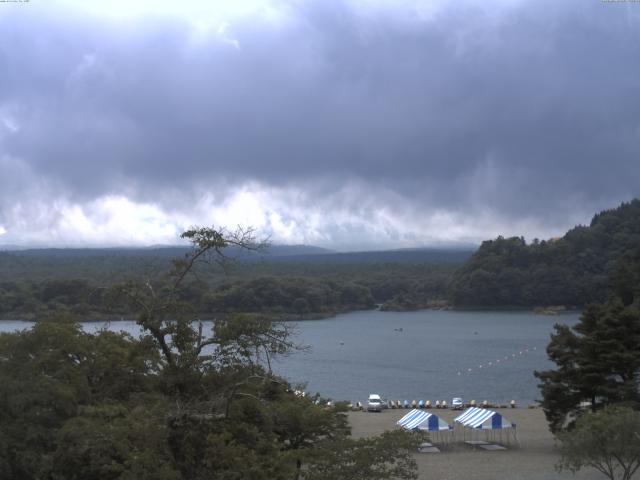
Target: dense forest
x,y
573,270
179,402
302,282
38,283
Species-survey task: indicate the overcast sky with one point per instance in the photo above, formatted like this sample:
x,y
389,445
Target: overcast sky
x,y
347,124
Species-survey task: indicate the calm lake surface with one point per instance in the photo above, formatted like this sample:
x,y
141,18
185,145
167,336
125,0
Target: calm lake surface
x,y
430,355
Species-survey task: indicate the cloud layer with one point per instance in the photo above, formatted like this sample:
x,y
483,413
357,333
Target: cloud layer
x,y
349,124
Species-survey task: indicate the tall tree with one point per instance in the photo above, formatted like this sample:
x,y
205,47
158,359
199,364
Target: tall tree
x,y
598,362
180,402
598,359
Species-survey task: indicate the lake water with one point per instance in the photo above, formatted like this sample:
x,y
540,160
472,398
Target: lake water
x,y
430,354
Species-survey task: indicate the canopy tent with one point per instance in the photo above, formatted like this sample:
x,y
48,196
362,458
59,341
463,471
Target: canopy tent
x,y
419,419
423,420
486,420
482,418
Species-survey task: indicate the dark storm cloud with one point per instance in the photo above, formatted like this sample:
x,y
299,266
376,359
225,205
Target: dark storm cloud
x,y
528,109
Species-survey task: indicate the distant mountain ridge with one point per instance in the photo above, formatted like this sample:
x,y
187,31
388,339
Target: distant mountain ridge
x,y
279,253
417,255
573,270
155,250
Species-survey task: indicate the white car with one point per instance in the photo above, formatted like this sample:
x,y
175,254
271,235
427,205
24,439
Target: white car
x,y
375,403
456,404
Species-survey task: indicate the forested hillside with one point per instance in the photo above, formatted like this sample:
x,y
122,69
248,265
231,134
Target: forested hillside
x,y
506,272
181,401
37,283
573,270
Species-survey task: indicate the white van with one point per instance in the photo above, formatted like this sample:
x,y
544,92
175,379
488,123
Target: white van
x,y
375,403
456,404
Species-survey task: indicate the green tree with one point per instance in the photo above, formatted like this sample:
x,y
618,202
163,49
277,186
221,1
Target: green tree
x,y
116,441
607,440
598,361
387,456
52,373
301,422
180,402
170,321
572,270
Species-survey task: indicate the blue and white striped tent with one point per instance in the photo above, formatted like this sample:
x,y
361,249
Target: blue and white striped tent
x,y
483,418
424,421
488,421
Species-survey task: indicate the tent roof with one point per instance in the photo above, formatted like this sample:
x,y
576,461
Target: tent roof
x,y
475,417
423,420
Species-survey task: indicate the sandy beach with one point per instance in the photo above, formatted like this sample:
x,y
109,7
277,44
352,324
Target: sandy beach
x,y
533,459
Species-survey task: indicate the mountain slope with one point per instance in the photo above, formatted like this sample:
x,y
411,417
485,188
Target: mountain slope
x,y
573,270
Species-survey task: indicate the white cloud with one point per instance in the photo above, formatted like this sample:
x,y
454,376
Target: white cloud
x,y
8,119
224,36
354,218
10,124
202,15
349,124
117,221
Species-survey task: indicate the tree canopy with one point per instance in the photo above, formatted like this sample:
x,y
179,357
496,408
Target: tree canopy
x,y
179,402
598,362
598,359
573,270
607,440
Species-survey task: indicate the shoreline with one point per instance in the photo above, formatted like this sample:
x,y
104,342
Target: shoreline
x,y
310,317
